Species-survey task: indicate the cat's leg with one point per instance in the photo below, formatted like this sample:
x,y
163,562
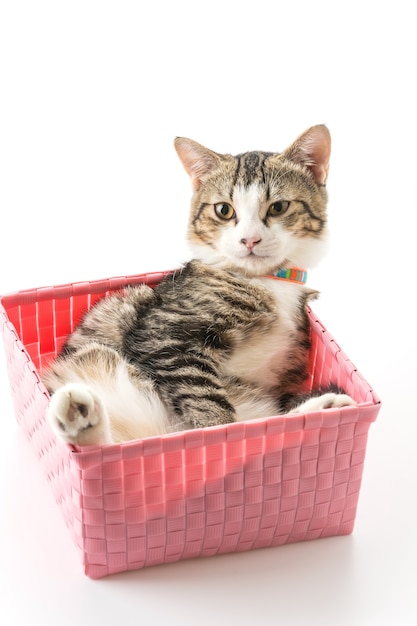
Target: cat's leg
x,y
195,399
250,402
97,398
78,416
198,410
77,409
329,400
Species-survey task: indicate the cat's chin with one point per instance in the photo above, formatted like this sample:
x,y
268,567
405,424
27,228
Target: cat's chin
x,y
248,266
255,265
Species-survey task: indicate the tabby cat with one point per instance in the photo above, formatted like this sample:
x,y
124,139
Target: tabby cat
x,y
224,338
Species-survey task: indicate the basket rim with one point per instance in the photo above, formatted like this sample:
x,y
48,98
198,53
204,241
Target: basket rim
x,y
65,290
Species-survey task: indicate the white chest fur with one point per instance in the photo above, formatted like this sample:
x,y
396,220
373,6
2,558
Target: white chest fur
x,y
262,357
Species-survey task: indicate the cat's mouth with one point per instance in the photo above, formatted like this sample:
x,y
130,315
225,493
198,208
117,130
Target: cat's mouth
x,y
253,255
256,263
258,256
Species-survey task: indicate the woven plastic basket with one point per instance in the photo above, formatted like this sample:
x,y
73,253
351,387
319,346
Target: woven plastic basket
x,y
196,493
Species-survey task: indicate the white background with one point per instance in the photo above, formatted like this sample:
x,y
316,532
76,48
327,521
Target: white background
x,y
92,96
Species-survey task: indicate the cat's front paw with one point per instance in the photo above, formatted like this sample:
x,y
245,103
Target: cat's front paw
x,y
77,415
326,401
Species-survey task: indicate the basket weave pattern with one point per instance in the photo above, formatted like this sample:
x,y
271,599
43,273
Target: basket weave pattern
x,y
196,493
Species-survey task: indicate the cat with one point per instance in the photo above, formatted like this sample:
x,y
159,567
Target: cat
x,y
224,338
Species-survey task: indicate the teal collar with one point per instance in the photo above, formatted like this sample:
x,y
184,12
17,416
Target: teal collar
x,y
292,274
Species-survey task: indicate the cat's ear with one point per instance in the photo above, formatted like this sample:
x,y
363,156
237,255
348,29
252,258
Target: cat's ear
x,y
197,160
312,149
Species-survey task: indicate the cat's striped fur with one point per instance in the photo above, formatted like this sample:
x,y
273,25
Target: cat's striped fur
x,y
218,340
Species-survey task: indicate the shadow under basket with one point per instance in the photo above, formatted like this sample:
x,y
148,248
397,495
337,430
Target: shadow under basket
x,y
197,493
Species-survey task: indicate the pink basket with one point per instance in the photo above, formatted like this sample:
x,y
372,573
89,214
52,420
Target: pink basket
x,y
197,493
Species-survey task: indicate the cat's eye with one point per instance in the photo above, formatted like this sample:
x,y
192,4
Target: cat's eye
x,y
224,211
278,208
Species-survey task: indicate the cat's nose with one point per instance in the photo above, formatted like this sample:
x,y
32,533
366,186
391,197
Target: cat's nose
x,y
250,242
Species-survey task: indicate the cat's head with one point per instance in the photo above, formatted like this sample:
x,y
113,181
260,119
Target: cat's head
x,y
259,211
